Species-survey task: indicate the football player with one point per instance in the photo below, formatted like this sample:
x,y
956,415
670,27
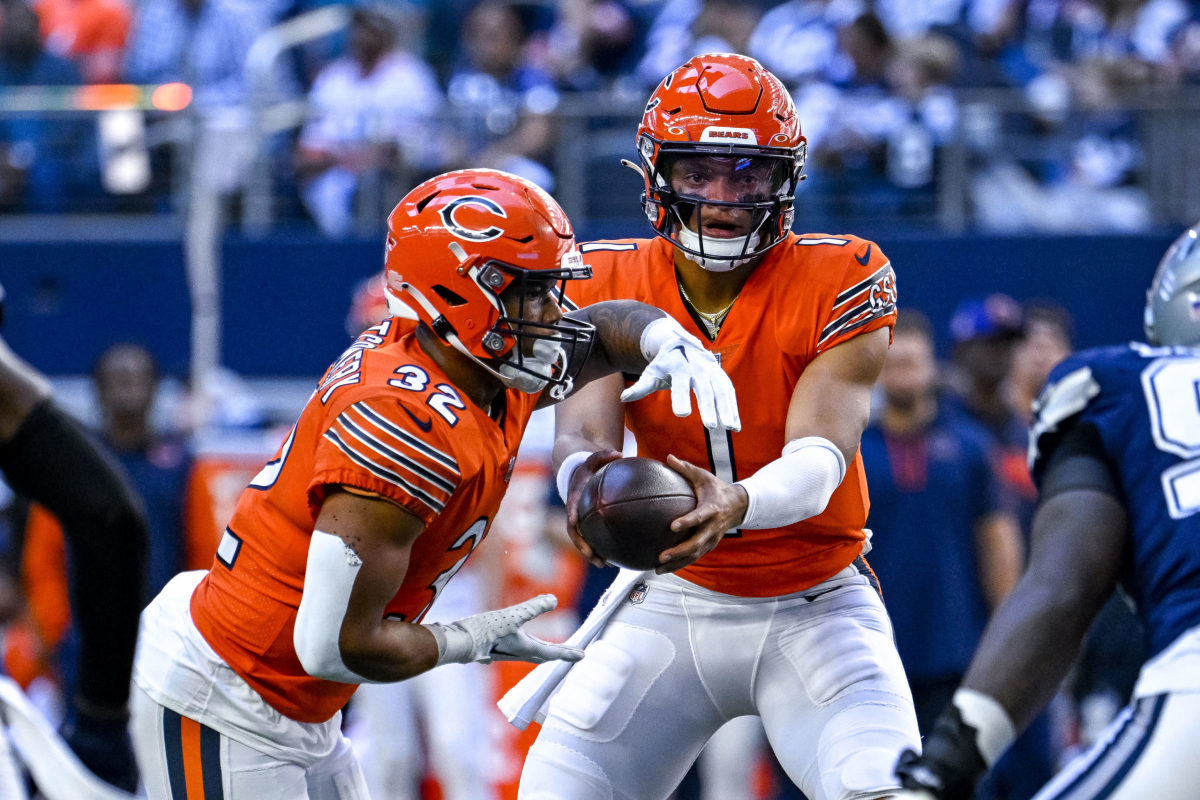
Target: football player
x,y
386,484
768,608
1115,451
47,457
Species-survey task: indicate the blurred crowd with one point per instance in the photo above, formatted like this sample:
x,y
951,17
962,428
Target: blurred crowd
x,y
409,88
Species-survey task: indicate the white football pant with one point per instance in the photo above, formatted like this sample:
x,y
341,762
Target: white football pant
x,y
181,759
819,667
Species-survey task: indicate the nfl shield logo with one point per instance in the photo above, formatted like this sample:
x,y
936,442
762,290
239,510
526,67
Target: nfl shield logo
x,y
638,593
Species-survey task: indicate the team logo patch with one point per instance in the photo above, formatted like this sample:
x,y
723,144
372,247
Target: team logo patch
x,y
638,593
883,292
450,219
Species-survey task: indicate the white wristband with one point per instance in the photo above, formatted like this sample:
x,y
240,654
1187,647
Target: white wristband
x,y
661,332
567,469
994,729
795,486
454,646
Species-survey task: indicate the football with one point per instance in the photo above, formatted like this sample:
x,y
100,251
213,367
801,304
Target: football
x,y
626,510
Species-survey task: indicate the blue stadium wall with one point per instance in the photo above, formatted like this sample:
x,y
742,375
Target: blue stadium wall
x,y
285,299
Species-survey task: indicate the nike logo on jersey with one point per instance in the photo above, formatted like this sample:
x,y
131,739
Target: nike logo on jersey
x,y
866,257
425,425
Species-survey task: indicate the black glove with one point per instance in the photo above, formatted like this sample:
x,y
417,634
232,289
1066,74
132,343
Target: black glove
x,y
103,745
951,764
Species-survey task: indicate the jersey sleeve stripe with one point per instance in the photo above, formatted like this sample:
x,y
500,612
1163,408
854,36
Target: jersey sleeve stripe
x,y
407,438
395,456
853,320
863,285
385,474
591,247
823,240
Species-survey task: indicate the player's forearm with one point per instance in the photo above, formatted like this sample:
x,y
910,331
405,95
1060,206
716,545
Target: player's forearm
x,y
1028,648
392,651
1035,635
591,420
619,327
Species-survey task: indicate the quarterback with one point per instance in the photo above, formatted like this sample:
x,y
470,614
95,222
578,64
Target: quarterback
x,y
1115,451
768,608
386,484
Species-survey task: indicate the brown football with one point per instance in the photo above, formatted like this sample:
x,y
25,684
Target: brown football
x,y
626,510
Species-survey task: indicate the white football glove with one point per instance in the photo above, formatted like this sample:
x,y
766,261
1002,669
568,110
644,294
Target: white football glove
x,y
497,636
678,360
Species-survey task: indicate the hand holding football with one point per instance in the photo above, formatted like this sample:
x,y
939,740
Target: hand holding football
x,y
626,510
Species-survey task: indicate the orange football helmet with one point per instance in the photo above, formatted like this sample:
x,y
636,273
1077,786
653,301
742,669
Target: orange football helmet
x,y
726,106
457,242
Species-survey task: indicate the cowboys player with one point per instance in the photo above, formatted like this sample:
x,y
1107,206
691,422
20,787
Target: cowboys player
x,y
1115,450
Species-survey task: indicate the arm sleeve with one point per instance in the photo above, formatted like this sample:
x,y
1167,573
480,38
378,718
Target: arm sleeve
x,y
1079,462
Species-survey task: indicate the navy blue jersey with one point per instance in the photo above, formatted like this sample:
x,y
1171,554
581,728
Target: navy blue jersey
x,y
929,491
1144,402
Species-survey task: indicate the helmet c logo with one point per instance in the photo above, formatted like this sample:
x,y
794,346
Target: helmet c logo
x,y
472,234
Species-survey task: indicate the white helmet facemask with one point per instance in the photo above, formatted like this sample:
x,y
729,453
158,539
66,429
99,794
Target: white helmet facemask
x,y
548,359
721,254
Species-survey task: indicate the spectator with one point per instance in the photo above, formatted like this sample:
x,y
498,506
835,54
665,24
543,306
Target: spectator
x,y
590,43
686,28
200,42
945,543
44,163
1046,341
501,103
798,40
370,122
91,33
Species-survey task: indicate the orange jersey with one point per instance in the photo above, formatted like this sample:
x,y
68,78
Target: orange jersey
x,y
386,420
810,293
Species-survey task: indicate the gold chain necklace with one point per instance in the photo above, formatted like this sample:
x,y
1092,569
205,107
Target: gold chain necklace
x,y
711,321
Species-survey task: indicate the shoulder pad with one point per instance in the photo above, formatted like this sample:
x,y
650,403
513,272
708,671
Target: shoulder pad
x,y
1058,402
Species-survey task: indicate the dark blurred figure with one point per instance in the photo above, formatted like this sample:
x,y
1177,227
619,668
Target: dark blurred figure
x,y
46,163
45,643
47,457
1046,340
591,43
370,124
127,383
501,102
684,29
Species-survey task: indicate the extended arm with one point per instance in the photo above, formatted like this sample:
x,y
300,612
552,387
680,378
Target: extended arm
x,y
636,338
1079,533
357,560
